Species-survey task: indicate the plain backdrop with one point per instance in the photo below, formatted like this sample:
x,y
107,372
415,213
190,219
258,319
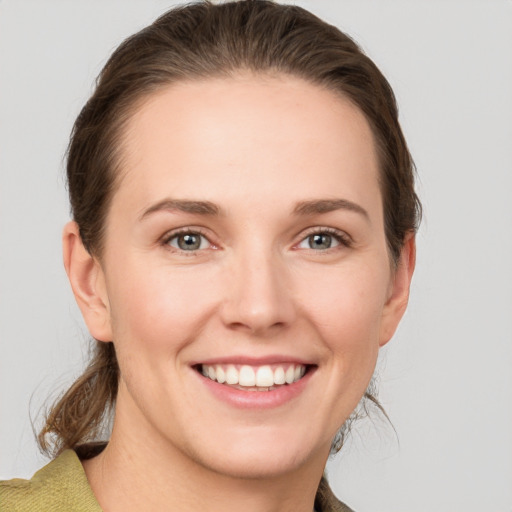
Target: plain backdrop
x,y
445,379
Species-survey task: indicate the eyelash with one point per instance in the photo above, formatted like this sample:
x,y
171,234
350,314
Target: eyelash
x,y
341,237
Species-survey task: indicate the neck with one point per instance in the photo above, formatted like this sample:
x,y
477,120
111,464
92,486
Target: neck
x,y
138,472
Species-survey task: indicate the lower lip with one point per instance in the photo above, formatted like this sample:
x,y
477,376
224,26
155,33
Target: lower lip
x,y
257,399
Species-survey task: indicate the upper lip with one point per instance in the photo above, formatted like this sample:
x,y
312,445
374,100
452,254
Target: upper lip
x,y
254,361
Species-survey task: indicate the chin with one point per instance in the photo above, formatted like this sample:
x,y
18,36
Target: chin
x,y
262,456
266,465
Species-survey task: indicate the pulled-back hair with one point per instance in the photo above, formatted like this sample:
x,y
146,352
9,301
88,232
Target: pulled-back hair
x,y
200,41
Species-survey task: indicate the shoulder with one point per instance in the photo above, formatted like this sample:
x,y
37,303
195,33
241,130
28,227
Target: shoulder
x,y
326,501
59,486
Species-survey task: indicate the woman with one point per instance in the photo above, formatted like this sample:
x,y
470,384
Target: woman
x,y
242,245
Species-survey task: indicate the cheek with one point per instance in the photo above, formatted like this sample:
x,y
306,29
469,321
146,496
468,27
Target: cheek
x,y
353,297
158,308
346,308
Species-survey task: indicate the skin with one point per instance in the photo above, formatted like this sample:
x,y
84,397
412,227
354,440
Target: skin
x,y
255,147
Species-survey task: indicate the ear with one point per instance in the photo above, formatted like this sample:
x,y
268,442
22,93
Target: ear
x,y
398,296
88,283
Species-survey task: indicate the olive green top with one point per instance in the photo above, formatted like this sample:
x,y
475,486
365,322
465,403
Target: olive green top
x,y
61,486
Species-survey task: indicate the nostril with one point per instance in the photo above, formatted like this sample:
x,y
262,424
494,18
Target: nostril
x,y
257,327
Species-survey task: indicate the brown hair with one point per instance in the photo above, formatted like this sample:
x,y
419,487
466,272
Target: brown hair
x,y
199,41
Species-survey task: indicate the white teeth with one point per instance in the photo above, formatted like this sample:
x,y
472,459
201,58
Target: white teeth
x,y
247,376
264,376
258,378
231,375
279,376
221,375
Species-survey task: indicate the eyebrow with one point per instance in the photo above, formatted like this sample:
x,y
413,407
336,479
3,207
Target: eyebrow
x,y
318,206
183,205
305,208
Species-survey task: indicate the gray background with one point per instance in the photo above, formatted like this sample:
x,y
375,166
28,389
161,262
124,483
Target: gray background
x,y
446,378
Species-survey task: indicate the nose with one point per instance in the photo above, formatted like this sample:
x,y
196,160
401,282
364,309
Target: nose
x,y
258,296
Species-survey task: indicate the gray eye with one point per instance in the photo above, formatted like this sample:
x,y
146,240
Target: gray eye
x,y
188,242
320,241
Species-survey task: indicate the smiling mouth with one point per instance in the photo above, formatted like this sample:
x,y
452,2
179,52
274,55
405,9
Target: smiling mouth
x,y
254,378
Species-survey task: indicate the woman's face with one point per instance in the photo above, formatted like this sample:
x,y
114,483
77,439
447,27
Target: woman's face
x,y
246,242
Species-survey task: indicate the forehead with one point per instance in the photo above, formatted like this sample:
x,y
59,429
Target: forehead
x,y
277,136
